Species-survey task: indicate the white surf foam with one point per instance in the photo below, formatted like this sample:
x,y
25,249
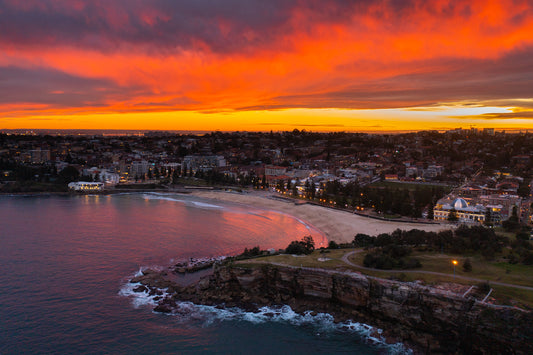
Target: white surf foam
x,y
138,299
187,312
197,204
206,205
322,322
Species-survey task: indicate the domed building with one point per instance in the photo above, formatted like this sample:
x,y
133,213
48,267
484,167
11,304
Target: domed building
x,y
464,212
459,203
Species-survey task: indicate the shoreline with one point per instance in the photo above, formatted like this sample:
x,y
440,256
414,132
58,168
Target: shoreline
x,y
165,294
410,314
337,225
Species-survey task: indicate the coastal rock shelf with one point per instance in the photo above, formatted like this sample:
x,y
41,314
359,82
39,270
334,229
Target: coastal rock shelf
x,y
193,265
429,321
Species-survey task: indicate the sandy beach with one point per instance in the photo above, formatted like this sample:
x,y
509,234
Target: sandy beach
x,y
337,225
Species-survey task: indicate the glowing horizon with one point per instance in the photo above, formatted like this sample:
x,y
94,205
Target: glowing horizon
x,y
249,66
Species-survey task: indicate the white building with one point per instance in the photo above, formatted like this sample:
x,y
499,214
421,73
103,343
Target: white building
x,y
204,162
83,186
464,212
106,176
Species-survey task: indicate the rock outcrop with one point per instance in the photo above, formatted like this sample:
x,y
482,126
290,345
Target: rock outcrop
x,y
430,320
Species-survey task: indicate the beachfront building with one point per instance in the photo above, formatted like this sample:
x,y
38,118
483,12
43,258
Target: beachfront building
x,y
464,212
501,204
108,177
275,173
204,162
83,186
139,168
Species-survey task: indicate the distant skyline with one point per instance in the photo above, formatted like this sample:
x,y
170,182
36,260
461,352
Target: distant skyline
x,y
253,65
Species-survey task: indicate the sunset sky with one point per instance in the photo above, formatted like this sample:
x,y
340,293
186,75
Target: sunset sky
x,y
319,65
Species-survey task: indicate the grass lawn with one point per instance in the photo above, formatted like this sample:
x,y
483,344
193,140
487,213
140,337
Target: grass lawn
x,y
481,269
311,260
512,296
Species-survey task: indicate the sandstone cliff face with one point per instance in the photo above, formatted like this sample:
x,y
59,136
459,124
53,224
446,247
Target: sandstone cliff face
x,y
433,322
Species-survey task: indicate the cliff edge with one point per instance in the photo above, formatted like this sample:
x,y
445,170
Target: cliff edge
x,y
429,320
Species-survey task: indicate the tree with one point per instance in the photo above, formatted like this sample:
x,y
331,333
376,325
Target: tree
x,y
304,246
430,212
69,174
488,217
363,240
309,243
248,253
333,245
296,247
524,190
523,235
512,223
452,216
467,265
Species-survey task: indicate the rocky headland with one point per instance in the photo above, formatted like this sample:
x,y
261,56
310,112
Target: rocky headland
x,y
426,319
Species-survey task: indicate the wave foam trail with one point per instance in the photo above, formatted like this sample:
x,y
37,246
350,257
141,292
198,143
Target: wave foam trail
x,y
160,196
322,322
206,205
186,312
153,196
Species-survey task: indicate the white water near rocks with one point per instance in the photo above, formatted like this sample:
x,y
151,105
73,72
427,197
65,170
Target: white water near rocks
x,y
65,262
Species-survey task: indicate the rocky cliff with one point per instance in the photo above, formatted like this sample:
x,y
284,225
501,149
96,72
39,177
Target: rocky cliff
x,y
431,321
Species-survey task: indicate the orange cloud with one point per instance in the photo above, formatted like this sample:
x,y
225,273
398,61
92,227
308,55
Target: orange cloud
x,y
362,55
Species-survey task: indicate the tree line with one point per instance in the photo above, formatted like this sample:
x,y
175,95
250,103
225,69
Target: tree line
x,y
465,240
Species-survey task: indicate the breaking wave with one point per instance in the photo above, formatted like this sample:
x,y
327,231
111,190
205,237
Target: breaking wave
x,y
188,312
166,197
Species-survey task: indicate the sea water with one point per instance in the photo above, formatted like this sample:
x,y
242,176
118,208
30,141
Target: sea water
x,y
65,262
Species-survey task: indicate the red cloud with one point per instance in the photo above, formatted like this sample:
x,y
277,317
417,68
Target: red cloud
x,y
346,54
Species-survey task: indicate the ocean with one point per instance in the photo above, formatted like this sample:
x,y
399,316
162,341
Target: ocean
x,y
65,262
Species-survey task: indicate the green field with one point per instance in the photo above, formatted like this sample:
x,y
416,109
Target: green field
x,y
306,260
485,271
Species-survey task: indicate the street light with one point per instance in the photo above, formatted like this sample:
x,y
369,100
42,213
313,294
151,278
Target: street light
x,y
454,262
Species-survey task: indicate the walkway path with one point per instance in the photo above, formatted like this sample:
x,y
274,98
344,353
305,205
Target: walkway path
x,y
345,258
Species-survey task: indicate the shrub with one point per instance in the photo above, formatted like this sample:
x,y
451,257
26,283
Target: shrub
x,y
391,257
522,235
467,265
484,287
333,245
296,247
363,240
248,253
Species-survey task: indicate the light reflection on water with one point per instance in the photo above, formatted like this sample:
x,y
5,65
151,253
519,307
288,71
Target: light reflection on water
x,y
64,259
